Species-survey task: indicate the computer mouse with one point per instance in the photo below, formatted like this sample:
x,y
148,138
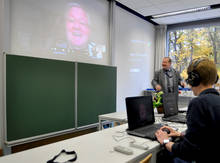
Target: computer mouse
x,y
166,130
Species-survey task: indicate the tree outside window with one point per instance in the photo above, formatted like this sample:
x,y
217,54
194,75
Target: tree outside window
x,y
185,45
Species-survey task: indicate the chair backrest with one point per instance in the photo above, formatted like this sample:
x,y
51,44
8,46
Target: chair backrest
x,y
146,159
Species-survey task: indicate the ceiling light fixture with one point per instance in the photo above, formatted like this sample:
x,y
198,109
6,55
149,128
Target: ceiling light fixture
x,y
181,12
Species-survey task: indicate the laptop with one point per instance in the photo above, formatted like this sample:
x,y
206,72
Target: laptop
x,y
171,109
140,116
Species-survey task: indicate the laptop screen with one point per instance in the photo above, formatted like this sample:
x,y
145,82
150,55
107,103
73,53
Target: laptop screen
x,y
139,111
170,104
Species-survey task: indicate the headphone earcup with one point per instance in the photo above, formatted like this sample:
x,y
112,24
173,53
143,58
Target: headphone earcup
x,y
217,79
193,79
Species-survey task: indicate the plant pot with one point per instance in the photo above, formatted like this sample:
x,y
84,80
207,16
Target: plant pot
x,y
160,110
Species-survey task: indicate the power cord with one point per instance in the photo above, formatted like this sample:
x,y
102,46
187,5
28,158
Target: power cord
x,y
121,137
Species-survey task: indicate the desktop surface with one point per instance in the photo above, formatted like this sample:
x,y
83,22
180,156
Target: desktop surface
x,y
94,147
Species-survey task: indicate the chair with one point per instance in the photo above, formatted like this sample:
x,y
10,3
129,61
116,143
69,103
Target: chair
x,y
146,159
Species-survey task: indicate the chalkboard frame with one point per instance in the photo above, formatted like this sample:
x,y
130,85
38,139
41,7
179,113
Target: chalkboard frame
x,y
77,126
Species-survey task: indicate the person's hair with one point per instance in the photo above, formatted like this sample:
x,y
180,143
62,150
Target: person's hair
x,y
206,69
73,4
169,59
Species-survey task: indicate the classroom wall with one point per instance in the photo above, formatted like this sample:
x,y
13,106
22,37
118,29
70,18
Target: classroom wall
x,y
1,102
4,46
134,55
1,70
1,96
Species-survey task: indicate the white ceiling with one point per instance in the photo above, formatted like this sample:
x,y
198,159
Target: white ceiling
x,y
154,7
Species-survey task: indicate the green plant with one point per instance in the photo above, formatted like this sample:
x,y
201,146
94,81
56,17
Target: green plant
x,y
158,100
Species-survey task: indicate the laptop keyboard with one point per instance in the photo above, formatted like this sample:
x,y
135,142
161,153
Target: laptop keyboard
x,y
151,128
176,118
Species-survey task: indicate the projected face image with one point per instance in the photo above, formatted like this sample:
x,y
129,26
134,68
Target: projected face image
x,y
77,26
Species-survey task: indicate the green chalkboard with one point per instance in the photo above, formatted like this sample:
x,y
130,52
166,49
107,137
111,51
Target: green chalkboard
x,y
39,96
96,92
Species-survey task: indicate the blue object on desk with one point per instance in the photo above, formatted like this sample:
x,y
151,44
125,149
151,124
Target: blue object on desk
x,y
184,89
109,125
150,89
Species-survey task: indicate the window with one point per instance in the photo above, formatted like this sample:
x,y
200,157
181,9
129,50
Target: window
x,y
187,44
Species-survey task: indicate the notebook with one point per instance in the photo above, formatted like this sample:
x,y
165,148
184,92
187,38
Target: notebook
x,y
171,109
140,116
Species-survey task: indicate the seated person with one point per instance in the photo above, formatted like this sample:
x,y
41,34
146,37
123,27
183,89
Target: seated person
x,y
203,118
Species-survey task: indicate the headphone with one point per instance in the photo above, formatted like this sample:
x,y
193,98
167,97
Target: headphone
x,y
194,78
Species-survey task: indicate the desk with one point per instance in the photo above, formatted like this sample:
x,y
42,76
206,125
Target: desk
x,y
122,117
116,117
95,147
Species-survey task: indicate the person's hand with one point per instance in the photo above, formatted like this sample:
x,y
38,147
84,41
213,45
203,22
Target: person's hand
x,y
161,135
183,84
173,133
158,87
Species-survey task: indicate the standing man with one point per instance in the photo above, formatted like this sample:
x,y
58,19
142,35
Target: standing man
x,y
167,79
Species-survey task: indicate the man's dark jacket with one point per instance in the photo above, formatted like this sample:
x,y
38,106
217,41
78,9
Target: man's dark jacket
x,y
201,142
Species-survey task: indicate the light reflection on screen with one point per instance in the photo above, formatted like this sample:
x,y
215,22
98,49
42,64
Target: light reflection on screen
x,y
137,54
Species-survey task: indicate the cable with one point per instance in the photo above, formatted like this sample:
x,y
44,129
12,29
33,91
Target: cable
x,y
121,137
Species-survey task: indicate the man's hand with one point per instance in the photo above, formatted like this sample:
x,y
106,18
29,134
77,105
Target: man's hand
x,y
158,87
173,133
161,135
183,84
